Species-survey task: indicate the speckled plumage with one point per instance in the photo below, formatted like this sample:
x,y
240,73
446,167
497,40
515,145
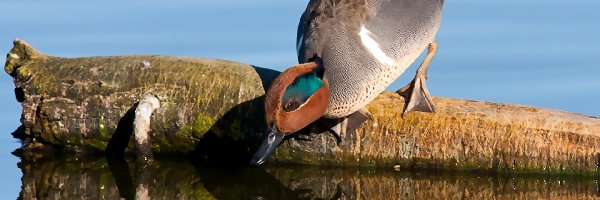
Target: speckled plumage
x,y
365,45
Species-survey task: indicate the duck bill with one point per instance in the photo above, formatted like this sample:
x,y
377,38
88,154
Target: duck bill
x,y
272,139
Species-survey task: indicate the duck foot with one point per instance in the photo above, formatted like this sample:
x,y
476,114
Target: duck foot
x,y
343,126
416,96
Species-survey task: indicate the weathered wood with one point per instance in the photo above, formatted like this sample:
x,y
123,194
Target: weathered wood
x,y
214,109
141,124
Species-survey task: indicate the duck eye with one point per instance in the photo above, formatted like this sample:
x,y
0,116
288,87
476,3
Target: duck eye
x,y
291,105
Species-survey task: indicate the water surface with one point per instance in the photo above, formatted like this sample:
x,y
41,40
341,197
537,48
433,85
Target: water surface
x,y
95,177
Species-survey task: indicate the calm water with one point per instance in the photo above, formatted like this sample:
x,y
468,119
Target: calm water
x,y
541,53
99,178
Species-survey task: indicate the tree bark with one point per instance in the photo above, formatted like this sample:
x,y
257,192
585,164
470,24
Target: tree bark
x,y
213,109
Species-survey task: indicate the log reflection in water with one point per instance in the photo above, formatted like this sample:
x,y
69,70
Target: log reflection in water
x,y
388,184
92,177
70,177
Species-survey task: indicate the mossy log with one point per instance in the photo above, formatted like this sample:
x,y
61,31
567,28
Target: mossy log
x,y
213,109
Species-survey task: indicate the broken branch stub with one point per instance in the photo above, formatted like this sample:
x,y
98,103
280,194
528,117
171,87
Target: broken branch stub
x,y
141,128
214,109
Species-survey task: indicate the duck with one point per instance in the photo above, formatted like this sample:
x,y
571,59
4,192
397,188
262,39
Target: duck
x,y
350,51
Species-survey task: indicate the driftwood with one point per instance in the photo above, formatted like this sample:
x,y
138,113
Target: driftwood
x,y
213,110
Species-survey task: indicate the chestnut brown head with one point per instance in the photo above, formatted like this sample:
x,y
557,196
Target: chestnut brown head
x,y
297,97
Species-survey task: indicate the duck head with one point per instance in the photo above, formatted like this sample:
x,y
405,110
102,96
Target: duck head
x,y
297,97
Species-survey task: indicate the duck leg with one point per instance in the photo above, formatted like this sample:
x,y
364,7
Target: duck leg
x,y
341,127
416,95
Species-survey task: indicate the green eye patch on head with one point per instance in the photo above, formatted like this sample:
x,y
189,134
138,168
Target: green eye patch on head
x,y
299,91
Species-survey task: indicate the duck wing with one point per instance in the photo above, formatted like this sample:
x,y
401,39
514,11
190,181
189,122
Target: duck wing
x,y
319,21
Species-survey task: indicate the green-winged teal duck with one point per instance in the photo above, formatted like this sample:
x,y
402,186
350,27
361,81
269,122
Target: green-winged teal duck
x,y
352,50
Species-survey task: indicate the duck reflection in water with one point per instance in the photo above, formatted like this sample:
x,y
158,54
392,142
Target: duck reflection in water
x,y
217,182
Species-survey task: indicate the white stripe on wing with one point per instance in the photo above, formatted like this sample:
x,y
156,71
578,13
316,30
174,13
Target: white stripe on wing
x,y
373,47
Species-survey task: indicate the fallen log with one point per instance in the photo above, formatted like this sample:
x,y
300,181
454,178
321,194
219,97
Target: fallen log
x,y
213,109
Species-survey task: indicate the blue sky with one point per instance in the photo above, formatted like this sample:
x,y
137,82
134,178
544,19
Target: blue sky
x,y
540,53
